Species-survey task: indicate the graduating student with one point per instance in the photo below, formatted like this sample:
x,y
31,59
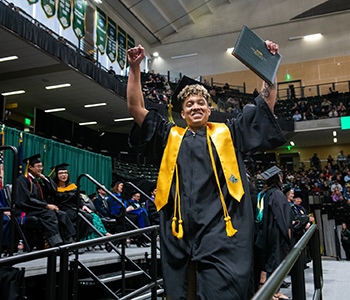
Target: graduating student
x,y
275,227
33,188
206,220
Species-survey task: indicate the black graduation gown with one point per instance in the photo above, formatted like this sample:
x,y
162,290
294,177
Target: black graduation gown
x,y
57,226
67,202
224,264
273,235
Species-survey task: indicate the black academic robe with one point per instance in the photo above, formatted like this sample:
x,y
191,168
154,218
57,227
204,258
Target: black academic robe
x,y
273,240
67,201
31,199
224,264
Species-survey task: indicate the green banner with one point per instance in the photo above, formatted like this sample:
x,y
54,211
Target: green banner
x,y
79,11
111,40
101,26
121,48
64,10
49,7
31,2
131,44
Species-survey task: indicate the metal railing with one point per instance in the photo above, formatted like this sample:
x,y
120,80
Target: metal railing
x,y
63,252
293,262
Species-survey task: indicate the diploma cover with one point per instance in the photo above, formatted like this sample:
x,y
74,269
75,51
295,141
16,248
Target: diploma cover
x,y
251,50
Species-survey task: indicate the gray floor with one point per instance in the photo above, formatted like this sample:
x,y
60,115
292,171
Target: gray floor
x,y
336,276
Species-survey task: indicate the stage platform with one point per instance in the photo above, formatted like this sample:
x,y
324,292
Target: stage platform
x,y
89,258
336,276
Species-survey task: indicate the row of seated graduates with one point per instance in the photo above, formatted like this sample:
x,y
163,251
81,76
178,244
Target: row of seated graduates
x,y
286,108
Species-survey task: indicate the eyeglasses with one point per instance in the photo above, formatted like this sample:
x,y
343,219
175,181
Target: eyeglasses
x,y
62,173
39,167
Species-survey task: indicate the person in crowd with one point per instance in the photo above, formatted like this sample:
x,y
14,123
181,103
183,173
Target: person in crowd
x,y
336,185
337,195
345,240
134,207
33,190
316,189
316,162
341,158
333,113
111,71
100,201
346,194
341,109
151,208
292,91
211,270
274,225
150,82
297,116
66,200
326,104
255,93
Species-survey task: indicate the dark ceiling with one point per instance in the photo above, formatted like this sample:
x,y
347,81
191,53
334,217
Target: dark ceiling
x,y
34,69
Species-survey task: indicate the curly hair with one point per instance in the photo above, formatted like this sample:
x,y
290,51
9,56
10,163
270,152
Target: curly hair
x,y
194,89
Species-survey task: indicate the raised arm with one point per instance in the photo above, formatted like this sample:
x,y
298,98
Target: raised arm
x,y
269,92
135,100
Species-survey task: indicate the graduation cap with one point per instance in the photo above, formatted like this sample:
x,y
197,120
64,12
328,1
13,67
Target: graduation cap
x,y
270,172
185,81
32,160
60,167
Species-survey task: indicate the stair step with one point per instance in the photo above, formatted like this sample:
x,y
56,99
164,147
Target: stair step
x,y
109,277
148,295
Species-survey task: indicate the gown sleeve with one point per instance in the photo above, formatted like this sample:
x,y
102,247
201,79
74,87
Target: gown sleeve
x,y
150,140
256,128
25,199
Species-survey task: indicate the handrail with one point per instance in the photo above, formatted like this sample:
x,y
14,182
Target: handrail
x,y
293,259
8,261
13,197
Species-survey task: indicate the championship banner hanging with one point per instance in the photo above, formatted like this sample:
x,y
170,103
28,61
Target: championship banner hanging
x,y
121,48
79,11
101,26
64,10
49,7
31,2
131,44
111,40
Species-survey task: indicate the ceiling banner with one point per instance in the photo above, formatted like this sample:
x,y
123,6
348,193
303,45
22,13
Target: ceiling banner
x,y
79,12
121,48
131,44
111,40
49,7
64,10
101,32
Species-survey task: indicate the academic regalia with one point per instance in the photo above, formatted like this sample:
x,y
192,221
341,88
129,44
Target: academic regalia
x,y
142,216
273,235
151,209
66,200
224,264
31,200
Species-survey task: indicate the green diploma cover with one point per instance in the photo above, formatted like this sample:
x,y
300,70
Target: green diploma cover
x,y
251,50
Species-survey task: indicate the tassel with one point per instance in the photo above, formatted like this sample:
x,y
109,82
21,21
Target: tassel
x,y
181,231
229,228
173,227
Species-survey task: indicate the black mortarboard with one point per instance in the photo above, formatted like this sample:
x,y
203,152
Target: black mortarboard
x,y
32,160
270,172
176,103
60,167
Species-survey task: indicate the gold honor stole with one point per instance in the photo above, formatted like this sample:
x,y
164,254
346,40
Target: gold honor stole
x,y
68,188
221,138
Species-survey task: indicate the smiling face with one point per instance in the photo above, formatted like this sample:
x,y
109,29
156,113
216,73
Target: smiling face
x,y
62,176
195,111
36,169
